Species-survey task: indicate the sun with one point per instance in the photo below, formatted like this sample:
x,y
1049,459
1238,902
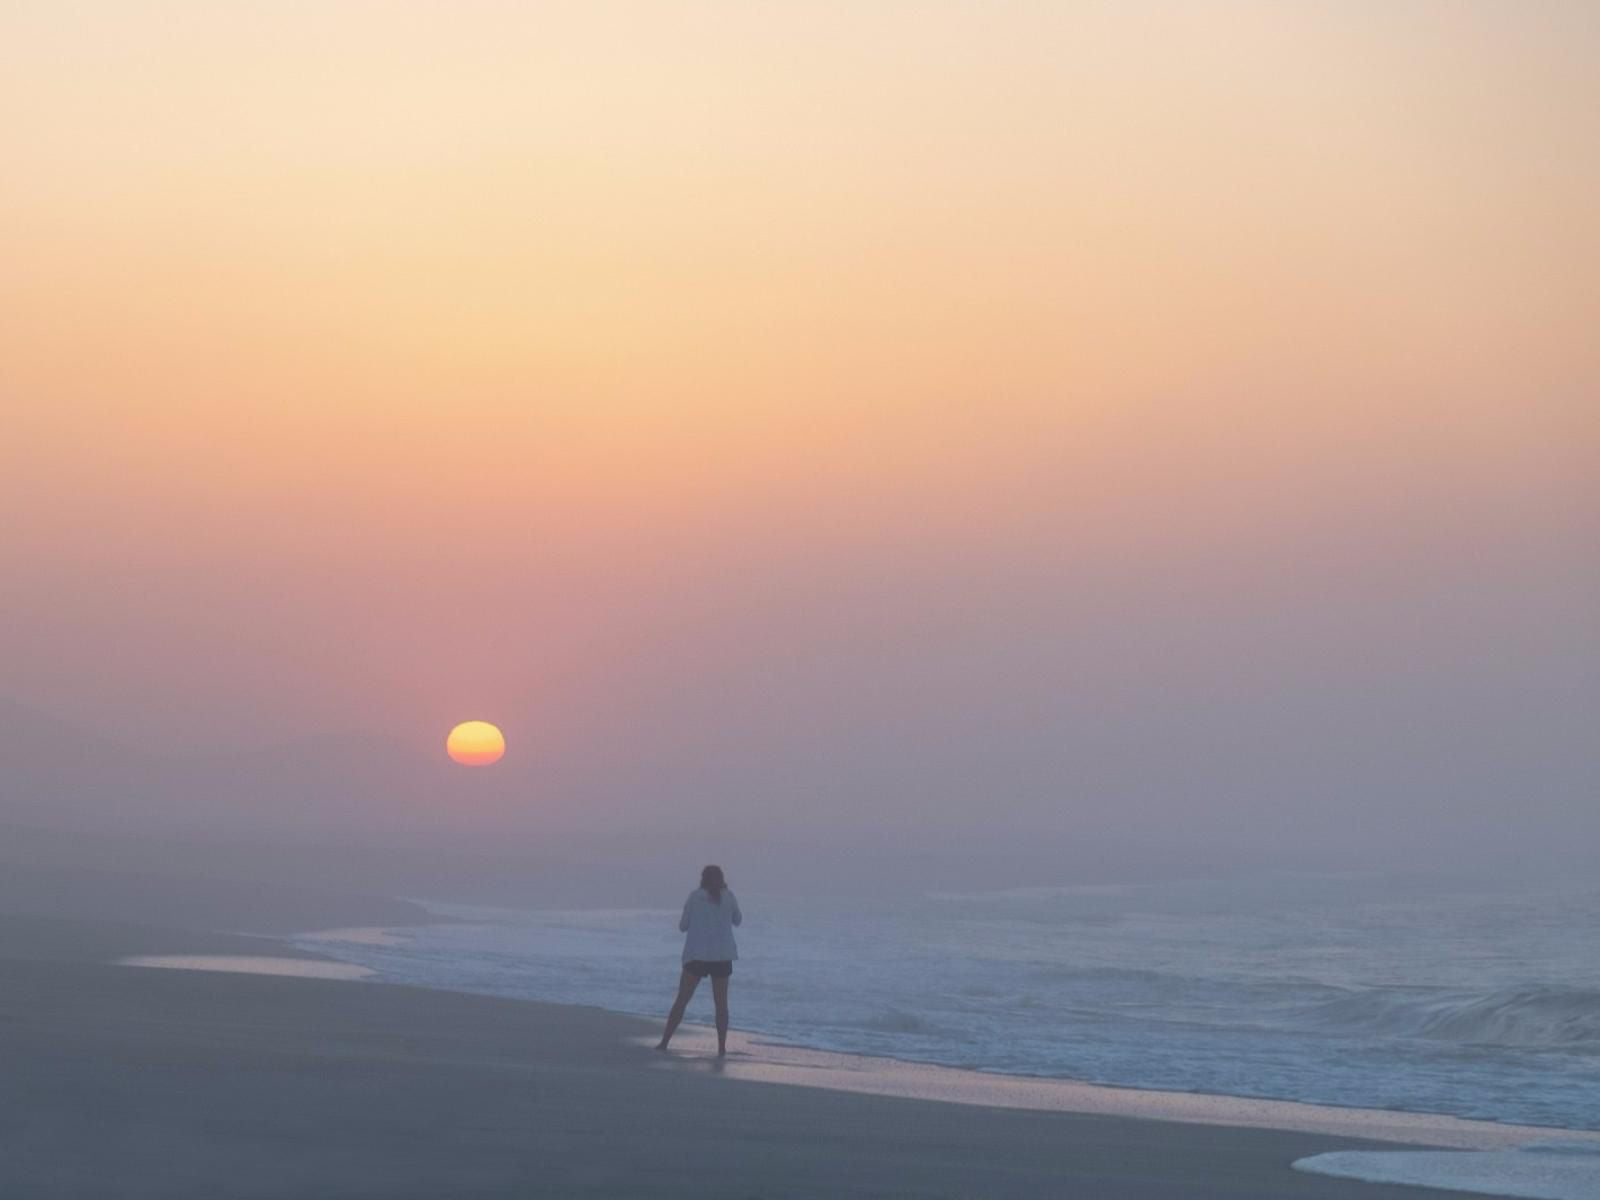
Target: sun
x,y
475,744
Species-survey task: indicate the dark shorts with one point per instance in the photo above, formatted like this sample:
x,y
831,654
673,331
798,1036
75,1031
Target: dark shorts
x,y
717,970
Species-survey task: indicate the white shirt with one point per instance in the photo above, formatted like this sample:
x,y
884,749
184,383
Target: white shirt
x,y
709,925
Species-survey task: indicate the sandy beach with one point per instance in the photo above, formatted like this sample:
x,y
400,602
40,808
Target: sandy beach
x,y
129,1081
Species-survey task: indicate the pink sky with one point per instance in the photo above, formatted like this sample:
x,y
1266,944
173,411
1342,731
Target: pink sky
x,y
878,406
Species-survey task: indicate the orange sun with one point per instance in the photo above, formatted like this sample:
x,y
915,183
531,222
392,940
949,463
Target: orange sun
x,y
475,744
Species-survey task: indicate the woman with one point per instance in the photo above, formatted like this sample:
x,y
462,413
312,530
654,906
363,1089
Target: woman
x,y
709,915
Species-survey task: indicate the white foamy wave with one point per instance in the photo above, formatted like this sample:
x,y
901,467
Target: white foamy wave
x,y
1565,1018
1564,1170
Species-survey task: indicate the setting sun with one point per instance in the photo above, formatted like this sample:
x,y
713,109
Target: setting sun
x,y
475,744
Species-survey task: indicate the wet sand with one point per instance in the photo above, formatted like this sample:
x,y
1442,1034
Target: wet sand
x,y
249,964
751,1057
131,1082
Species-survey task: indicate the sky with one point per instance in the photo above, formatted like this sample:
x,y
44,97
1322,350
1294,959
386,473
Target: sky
x,y
1124,420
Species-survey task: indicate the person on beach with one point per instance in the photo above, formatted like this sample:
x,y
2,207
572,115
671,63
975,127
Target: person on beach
x,y
709,915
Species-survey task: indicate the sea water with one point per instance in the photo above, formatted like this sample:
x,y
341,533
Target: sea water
x,y
1420,994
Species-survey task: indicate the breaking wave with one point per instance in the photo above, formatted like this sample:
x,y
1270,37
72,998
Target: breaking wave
x,y
1559,1018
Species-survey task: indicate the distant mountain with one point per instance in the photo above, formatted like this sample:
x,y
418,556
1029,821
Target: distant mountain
x,y
33,740
56,773
344,782
52,771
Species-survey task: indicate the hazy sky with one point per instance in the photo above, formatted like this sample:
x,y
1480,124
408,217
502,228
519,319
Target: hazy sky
x,y
1064,415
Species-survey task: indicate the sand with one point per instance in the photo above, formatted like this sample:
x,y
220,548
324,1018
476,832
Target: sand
x,y
130,1082
752,1057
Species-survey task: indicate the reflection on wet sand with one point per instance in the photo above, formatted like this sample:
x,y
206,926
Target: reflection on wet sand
x,y
750,1058
250,964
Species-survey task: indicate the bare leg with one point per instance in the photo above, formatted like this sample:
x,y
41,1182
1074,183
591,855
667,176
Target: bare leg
x,y
686,985
719,992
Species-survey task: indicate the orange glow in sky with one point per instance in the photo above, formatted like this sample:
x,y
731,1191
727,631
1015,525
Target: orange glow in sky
x,y
812,394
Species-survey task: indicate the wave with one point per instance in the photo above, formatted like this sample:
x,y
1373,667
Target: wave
x,y
895,1020
1136,975
1176,991
1564,1018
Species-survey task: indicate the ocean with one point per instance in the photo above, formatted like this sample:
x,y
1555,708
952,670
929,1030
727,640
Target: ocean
x,y
1419,993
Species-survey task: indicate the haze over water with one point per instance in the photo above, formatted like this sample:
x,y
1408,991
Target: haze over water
x,y
1173,435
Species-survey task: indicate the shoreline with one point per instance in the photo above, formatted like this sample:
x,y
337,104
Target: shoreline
x,y
751,1057
160,1084
799,1065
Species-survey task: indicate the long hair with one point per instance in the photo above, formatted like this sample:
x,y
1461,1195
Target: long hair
x,y
711,879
